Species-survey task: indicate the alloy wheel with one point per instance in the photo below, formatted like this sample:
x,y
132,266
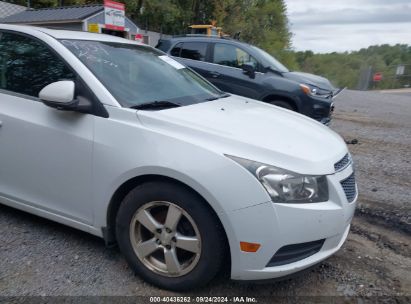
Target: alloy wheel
x,y
165,238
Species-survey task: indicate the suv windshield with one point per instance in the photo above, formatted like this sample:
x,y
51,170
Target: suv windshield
x,y
269,61
138,75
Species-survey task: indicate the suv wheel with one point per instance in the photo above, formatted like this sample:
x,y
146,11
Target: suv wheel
x,y
282,104
169,236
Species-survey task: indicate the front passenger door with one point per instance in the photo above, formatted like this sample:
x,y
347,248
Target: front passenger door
x,y
45,154
227,74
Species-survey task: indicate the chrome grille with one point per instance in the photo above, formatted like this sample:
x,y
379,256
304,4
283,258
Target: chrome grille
x,y
349,187
344,162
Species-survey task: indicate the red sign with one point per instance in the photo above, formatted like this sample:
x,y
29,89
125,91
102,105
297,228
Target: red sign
x,y
139,38
377,77
113,4
114,13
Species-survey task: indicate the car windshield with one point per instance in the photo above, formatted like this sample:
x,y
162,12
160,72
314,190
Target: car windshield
x,y
269,61
137,75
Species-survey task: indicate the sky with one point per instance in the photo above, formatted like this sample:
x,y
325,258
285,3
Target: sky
x,y
344,25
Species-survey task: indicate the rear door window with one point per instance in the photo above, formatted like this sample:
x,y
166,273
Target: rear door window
x,y
176,51
163,45
194,50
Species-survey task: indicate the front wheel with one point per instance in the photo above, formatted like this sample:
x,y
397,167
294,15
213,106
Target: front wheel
x,y
169,236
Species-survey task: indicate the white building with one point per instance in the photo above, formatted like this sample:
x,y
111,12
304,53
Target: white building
x,y
81,18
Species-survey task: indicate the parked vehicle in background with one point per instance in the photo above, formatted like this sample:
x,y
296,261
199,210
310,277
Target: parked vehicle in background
x,y
246,70
117,139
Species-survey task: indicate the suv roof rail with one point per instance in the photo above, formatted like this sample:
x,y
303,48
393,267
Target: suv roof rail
x,y
196,35
200,36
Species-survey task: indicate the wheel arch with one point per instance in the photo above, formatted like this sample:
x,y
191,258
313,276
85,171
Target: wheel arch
x,y
288,99
127,186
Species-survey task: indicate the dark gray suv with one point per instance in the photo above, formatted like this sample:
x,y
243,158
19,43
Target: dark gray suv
x,y
246,70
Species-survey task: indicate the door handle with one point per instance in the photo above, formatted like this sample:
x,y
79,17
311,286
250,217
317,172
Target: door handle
x,y
215,74
1,123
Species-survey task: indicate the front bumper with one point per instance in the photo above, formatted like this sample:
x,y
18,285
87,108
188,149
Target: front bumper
x,y
327,120
275,226
317,108
322,110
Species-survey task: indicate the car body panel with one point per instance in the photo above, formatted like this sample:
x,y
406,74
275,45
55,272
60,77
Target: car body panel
x,y
315,80
222,122
39,149
329,220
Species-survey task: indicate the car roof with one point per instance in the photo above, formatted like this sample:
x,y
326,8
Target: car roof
x,y
66,34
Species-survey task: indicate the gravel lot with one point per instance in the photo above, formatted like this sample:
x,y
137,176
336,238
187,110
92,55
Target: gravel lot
x,y
39,257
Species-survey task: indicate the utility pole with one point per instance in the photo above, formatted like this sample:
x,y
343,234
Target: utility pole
x,y
29,3
369,74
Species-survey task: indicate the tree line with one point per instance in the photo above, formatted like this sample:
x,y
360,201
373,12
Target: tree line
x,y
346,69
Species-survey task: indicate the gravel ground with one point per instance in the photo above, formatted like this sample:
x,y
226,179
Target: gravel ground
x,y
381,123
39,257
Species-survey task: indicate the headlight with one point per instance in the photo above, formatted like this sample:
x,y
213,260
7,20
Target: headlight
x,y
285,186
314,91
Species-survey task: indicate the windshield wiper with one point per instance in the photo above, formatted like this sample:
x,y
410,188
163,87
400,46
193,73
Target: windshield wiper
x,y
218,97
157,104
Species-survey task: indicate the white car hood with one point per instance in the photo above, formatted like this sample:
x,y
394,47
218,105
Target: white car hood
x,y
253,130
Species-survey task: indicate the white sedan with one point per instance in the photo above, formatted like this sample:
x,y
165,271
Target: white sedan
x,y
116,139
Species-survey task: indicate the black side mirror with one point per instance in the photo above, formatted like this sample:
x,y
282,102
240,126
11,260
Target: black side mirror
x,y
248,69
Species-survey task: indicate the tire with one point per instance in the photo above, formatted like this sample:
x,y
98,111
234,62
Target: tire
x,y
282,104
163,205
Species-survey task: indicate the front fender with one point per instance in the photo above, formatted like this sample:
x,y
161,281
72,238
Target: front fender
x,y
279,87
125,149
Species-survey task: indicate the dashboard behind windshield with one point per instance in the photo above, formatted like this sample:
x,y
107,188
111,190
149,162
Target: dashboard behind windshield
x,y
137,74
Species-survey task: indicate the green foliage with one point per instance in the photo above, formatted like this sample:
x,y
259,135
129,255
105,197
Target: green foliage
x,y
344,69
261,22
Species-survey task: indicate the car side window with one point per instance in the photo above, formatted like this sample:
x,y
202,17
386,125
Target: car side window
x,y
27,65
176,50
232,56
194,50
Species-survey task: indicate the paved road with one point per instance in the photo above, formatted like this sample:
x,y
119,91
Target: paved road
x,y
39,257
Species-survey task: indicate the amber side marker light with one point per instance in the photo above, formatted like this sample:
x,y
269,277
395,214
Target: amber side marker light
x,y
249,247
306,89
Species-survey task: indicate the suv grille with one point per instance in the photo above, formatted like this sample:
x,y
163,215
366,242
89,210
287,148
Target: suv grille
x,y
349,187
319,114
344,162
